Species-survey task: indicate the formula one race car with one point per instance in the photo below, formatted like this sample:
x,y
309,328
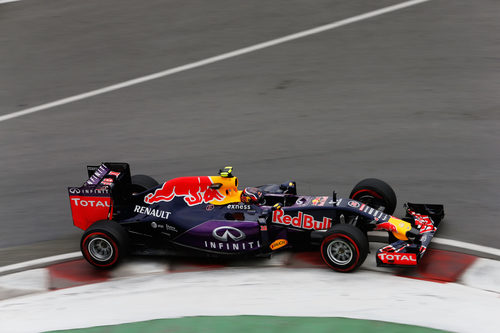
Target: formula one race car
x,y
208,215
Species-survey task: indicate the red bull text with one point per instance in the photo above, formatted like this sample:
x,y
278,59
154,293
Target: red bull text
x,y
303,221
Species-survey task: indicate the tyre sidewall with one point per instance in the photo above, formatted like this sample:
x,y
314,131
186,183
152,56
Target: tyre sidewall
x,y
88,237
352,264
355,239
114,234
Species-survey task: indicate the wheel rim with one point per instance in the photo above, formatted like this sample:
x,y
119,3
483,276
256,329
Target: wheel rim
x,y
100,249
340,252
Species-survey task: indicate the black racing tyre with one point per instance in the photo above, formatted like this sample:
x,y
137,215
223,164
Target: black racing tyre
x,y
344,248
104,244
376,194
141,183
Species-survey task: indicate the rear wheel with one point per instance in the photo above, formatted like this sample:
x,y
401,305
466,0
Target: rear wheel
x,y
104,244
141,183
376,194
344,248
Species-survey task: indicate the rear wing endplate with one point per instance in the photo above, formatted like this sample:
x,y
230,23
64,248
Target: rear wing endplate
x,y
93,201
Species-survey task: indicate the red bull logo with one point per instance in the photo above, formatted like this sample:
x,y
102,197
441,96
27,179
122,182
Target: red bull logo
x,y
195,190
386,226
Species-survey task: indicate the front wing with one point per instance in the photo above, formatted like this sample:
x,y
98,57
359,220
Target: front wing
x,y
404,253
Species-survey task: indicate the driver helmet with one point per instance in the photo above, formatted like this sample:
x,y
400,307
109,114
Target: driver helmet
x,y
252,195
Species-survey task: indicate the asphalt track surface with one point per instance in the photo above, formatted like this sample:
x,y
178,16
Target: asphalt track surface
x,y
410,97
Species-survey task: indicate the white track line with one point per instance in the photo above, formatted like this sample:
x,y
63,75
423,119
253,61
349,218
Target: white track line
x,y
40,262
452,243
467,246
214,59
5,1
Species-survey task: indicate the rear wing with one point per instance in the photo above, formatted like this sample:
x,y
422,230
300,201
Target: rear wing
x,y
93,201
108,173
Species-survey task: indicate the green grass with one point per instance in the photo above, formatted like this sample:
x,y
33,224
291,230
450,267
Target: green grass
x,y
261,324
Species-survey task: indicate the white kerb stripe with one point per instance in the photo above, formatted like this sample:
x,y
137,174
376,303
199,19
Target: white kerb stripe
x,y
214,59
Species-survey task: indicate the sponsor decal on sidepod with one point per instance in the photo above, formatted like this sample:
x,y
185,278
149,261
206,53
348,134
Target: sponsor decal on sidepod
x,y
167,227
224,233
303,221
230,240
277,244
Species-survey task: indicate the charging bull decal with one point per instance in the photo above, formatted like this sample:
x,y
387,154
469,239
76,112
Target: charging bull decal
x,y
195,190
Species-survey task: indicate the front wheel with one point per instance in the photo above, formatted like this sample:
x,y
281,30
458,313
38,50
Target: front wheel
x,y
104,244
344,248
376,194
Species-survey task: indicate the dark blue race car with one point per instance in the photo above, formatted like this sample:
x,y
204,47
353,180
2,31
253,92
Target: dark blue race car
x,y
209,216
